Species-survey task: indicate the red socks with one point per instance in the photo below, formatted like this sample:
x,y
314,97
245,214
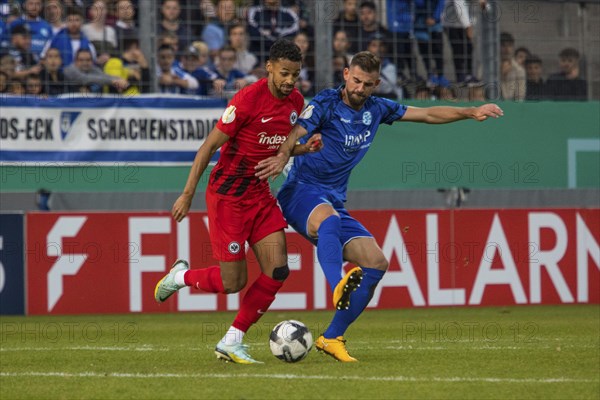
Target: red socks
x,y
206,279
256,302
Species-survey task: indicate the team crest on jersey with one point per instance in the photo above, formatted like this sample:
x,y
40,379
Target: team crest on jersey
x,y
228,115
367,118
234,247
293,117
307,113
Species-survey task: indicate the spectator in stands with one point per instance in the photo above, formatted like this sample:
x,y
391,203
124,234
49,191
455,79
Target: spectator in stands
x,y
307,73
521,55
170,12
370,26
131,65
238,39
102,36
26,61
301,9
3,82
33,85
4,36
388,86
169,39
190,63
428,33
512,75
52,76
341,45
348,22
53,12
400,23
69,40
339,64
536,87
204,60
171,78
39,28
229,80
457,22
568,83
215,32
8,66
125,25
270,22
85,77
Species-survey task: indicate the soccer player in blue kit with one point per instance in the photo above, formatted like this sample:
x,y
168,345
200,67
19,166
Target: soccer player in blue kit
x,y
313,195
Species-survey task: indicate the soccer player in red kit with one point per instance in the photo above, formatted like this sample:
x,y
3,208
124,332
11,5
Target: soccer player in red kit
x,y
240,206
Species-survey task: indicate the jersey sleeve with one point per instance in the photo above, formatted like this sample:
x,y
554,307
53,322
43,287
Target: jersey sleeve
x,y
314,114
236,114
390,110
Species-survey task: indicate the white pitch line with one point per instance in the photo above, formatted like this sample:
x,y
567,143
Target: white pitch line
x,y
84,348
456,379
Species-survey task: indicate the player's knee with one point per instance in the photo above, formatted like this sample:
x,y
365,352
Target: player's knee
x,y
281,273
233,285
379,262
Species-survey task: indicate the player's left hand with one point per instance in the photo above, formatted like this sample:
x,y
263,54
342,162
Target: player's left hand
x,y
485,111
314,143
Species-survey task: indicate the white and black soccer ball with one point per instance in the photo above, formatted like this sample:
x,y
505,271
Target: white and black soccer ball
x,y
290,341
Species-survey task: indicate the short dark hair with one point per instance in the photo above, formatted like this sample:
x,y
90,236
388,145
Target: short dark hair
x,y
74,10
368,4
507,38
20,29
83,50
286,50
569,52
367,61
163,47
533,59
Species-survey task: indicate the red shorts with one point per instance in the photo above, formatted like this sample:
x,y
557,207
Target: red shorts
x,y
233,222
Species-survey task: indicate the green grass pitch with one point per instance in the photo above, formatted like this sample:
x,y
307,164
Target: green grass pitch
x,y
529,352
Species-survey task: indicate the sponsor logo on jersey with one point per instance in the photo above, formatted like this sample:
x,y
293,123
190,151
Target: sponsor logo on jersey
x,y
293,117
307,113
367,118
228,115
273,141
264,120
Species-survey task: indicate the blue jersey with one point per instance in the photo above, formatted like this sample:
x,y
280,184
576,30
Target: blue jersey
x,y
41,32
347,135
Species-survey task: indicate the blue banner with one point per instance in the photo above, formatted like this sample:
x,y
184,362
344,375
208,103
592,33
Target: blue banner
x,y
79,130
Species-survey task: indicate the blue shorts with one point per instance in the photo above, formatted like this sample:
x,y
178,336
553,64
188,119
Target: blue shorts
x,y
298,200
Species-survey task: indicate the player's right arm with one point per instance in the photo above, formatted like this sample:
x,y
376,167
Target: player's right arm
x,y
272,166
215,139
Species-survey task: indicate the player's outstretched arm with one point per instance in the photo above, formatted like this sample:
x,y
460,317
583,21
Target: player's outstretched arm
x,y
313,145
272,166
446,114
215,139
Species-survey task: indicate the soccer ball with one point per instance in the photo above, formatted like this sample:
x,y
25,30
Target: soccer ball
x,y
290,341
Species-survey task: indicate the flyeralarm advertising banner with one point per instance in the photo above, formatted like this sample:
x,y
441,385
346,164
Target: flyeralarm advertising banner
x,y
86,129
110,262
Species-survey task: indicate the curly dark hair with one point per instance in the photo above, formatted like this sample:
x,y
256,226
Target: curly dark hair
x,y
286,50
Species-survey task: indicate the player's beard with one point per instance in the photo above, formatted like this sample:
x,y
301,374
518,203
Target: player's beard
x,y
355,100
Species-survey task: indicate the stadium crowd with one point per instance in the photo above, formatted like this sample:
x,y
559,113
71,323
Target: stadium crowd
x,y
216,47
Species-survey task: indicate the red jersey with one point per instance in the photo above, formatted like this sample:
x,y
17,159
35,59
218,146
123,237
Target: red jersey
x,y
258,123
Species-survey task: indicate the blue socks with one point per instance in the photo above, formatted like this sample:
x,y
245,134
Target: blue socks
x,y
358,302
329,249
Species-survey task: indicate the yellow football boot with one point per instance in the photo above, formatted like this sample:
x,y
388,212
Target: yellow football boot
x,y
336,348
348,284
